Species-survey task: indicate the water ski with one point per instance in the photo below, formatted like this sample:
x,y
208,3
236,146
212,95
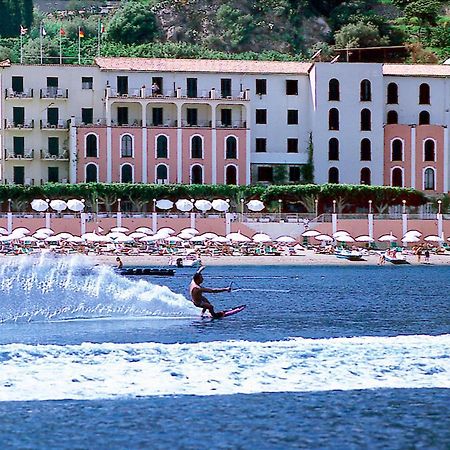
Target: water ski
x,y
232,311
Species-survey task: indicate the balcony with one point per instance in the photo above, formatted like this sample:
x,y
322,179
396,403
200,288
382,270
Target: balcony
x,y
232,124
134,123
199,124
25,125
55,93
167,123
62,125
96,123
61,156
26,93
25,155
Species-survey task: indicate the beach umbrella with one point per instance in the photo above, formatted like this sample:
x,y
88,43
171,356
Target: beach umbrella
x,y
53,239
310,233
261,237
123,239
166,230
209,235
39,205
119,230
164,204
75,240
75,205
413,232
220,240
255,205
340,233
364,238
145,230
7,238
40,236
184,205
410,239
21,230
47,231
387,238
64,235
220,205
203,205
192,231
91,237
185,236
58,205
200,238
238,237
324,238
137,235
3,230
285,239
344,238
433,238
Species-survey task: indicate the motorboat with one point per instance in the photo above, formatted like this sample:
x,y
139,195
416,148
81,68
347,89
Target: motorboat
x,y
396,258
185,261
350,255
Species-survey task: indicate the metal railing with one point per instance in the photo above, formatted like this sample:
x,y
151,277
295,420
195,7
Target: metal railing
x,y
232,124
200,94
23,155
26,93
54,92
60,156
61,125
26,124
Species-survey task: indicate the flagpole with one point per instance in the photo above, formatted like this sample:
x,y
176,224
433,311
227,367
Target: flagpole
x,y
41,38
79,46
99,33
21,47
60,44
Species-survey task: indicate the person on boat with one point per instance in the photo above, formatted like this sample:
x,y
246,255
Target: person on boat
x,y
196,291
119,263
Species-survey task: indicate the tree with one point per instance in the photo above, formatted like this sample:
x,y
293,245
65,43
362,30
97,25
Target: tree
x,y
27,13
133,23
359,35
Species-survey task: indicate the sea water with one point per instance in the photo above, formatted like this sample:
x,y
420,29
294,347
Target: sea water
x,y
323,357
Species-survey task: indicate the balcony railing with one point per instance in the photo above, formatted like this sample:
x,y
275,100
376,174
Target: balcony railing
x,y
61,125
232,124
198,124
55,93
25,125
22,155
134,123
61,156
166,123
97,122
26,93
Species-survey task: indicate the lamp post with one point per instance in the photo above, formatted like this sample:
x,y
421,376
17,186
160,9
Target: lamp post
x,y
370,206
280,202
316,207
47,216
154,205
370,220
192,215
334,206
404,218
439,206
404,206
334,218
154,217
118,205
242,209
439,221
119,213
9,205
10,221
82,219
227,219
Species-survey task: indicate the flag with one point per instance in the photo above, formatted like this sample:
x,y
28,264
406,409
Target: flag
x,y
23,30
62,32
43,32
80,33
102,28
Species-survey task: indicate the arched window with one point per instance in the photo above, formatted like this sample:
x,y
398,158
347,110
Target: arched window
x,y
397,177
424,118
161,172
333,175
365,177
366,150
333,149
231,175
392,117
231,148
126,173
366,120
333,119
196,174
91,146
392,94
424,94
91,173
428,179
161,147
333,90
429,153
196,147
126,146
397,150
365,91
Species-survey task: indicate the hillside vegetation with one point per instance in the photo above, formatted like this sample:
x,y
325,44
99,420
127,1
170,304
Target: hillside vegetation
x,y
263,29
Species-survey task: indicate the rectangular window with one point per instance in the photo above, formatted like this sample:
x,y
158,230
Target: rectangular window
x,y
292,117
192,116
261,145
52,82
122,115
292,145
122,85
157,117
225,87
87,115
19,145
261,86
225,117
53,174
19,174
53,146
291,87
17,84
87,83
191,84
294,174
157,85
52,116
265,174
261,116
18,115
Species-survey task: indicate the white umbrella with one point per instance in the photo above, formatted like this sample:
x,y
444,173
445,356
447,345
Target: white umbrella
x,y
164,204
40,236
47,231
324,237
3,230
21,230
200,238
166,230
39,205
75,205
145,230
119,229
238,237
220,205
7,238
28,239
364,238
53,239
203,205
137,235
155,237
387,238
75,240
91,237
220,240
58,205
344,238
340,233
184,205
285,239
255,205
261,237
64,235
414,233
310,233
184,235
410,239
123,239
433,238
209,235
192,231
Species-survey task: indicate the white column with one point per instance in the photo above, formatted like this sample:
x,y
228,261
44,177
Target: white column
x,y
72,151
144,144
154,221
119,219
10,222
47,220
108,155
248,144
413,157
370,223
404,223
227,223
334,222
192,220
440,229
213,146
83,223
446,174
179,147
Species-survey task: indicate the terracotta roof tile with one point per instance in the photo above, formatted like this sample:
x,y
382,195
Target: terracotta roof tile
x,y
417,70
202,65
5,63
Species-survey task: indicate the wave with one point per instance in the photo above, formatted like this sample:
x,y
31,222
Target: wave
x,y
50,288
93,371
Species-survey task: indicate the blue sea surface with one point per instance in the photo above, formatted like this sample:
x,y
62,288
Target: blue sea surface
x,y
323,357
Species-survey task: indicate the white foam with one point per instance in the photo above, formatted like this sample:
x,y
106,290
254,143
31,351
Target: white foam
x,y
92,371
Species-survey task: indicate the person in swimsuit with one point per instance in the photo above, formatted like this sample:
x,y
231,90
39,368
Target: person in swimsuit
x,y
198,299
119,263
